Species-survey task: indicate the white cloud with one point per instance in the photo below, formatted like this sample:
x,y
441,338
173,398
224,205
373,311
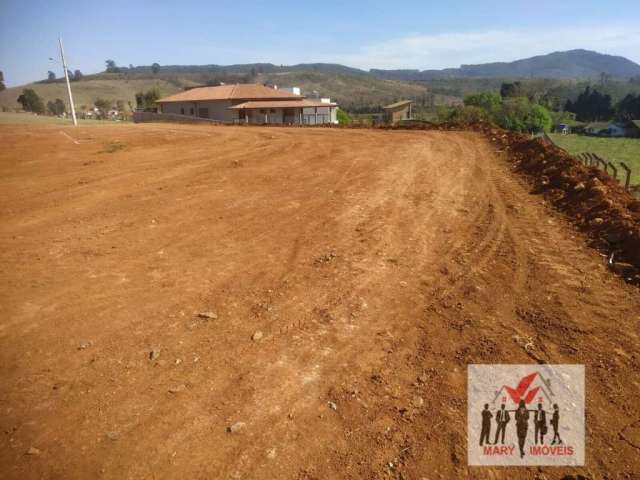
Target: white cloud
x,y
445,50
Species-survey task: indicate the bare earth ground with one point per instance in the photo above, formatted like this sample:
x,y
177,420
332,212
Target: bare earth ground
x,y
368,259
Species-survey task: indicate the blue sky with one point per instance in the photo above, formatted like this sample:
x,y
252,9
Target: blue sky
x,y
374,34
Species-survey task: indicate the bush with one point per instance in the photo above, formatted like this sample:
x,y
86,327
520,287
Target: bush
x,y
488,101
147,101
470,114
31,101
520,115
56,108
343,117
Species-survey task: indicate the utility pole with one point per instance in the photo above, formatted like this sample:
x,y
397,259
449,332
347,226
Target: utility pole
x,y
66,76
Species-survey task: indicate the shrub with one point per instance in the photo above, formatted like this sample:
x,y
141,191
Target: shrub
x,y
31,101
343,117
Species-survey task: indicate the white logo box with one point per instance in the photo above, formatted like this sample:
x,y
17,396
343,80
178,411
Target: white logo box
x,y
547,385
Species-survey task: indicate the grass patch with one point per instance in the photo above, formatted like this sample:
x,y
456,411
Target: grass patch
x,y
113,147
615,150
30,118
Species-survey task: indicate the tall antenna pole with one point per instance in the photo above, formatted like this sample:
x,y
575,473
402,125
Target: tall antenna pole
x,y
66,76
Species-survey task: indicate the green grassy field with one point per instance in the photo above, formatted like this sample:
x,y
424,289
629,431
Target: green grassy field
x,y
615,150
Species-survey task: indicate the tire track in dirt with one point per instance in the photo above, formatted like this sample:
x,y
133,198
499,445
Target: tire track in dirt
x,y
377,265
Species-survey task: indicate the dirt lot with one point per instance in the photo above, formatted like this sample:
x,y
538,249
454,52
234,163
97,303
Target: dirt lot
x,y
376,264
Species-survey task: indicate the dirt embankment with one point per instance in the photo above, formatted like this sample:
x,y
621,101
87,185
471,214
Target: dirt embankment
x,y
594,201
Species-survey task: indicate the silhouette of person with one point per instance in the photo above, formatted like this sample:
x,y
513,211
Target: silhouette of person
x,y
540,423
555,423
502,418
486,425
522,424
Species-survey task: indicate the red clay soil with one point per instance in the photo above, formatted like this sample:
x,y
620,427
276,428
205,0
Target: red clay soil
x,y
593,200
197,302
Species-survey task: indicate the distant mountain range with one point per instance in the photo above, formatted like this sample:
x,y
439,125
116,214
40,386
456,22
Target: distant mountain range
x,y
573,64
576,64
354,89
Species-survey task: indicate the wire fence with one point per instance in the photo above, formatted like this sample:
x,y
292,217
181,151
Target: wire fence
x,y
620,172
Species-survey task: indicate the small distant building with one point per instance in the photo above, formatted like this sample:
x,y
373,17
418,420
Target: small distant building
x,y
633,128
250,103
605,129
398,111
563,128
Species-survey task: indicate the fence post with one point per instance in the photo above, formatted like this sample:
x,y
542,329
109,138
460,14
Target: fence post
x,y
628,180
614,169
603,163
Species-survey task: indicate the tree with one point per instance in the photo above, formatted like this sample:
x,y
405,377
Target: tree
x,y
31,101
155,68
628,108
591,106
489,101
2,87
56,108
77,75
111,66
510,90
147,100
521,115
103,104
51,76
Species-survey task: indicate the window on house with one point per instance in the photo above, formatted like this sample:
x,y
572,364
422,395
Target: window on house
x,y
191,111
182,111
262,110
273,110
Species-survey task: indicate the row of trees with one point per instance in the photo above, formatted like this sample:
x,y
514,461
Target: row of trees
x,y
32,102
112,67
73,76
521,108
591,105
508,110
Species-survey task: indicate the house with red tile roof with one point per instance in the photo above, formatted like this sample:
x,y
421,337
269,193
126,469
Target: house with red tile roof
x,y
250,103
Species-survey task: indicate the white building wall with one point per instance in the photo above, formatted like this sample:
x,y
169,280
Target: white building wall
x,y
309,115
219,110
294,90
216,109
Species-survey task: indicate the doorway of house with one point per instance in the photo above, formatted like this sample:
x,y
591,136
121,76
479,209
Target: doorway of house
x,y
289,116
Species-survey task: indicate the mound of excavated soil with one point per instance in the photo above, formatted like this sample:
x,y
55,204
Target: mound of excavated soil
x,y
595,202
